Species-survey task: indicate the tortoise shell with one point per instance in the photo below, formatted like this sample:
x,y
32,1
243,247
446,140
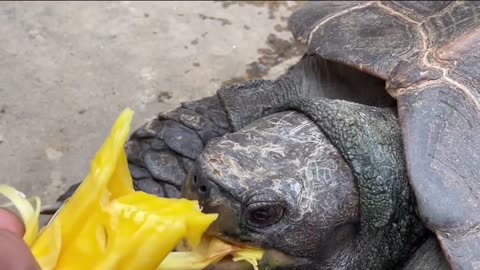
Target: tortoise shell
x,y
428,54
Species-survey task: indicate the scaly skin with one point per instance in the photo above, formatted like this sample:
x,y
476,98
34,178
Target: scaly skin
x,y
387,231
370,140
162,152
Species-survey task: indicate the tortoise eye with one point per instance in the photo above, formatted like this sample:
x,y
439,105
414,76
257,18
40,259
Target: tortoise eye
x,y
264,214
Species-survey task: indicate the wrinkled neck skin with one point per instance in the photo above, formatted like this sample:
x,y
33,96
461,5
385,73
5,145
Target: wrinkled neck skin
x,y
347,259
369,140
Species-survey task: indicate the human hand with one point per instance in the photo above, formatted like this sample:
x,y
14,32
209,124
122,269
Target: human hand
x,y
14,252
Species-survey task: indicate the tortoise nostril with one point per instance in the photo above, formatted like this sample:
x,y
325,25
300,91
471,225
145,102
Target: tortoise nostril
x,y
199,184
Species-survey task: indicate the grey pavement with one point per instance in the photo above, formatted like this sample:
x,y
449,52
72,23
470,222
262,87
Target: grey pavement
x,y
67,69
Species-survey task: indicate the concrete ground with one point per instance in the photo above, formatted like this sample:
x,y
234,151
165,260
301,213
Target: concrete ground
x,y
67,69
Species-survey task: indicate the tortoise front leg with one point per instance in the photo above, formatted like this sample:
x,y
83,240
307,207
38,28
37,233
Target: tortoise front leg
x,y
162,152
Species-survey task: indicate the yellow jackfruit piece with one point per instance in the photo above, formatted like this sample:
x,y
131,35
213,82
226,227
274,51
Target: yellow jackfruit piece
x,y
211,250
108,225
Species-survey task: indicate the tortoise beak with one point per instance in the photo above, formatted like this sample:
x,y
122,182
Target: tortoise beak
x,y
212,200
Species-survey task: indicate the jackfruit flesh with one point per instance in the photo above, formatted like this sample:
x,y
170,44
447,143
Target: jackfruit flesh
x,y
108,225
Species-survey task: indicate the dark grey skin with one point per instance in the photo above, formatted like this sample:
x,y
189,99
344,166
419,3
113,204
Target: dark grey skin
x,y
415,59
281,184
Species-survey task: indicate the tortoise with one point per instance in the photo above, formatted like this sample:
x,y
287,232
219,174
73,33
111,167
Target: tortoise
x,y
285,182
380,120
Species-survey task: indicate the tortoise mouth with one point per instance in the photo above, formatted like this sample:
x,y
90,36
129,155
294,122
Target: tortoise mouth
x,y
272,258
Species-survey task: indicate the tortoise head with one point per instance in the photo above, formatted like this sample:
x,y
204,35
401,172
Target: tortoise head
x,y
282,184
